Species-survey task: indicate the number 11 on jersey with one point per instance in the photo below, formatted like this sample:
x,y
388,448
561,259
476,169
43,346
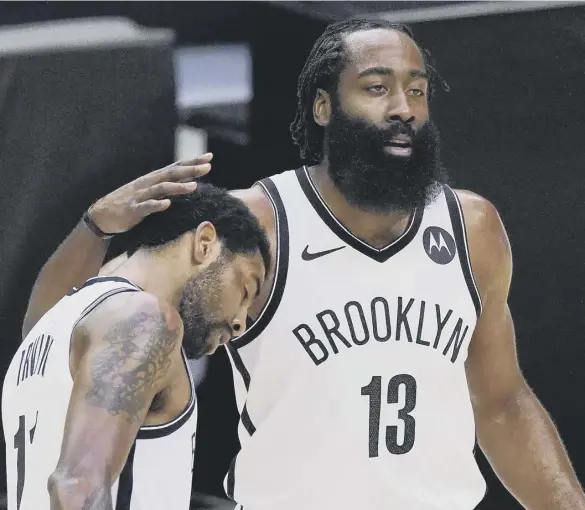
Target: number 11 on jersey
x,y
374,391
20,447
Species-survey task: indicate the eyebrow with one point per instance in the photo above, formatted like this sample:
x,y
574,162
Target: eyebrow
x,y
386,71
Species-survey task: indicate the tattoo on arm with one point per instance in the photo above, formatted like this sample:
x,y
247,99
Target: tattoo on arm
x,y
135,358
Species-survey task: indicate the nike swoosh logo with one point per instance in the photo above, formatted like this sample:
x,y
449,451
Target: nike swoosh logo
x,y
312,256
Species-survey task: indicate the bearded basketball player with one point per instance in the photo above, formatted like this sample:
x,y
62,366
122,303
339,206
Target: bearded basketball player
x,y
382,341
98,402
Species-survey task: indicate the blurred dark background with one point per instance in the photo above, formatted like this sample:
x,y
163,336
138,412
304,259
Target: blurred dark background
x,y
126,87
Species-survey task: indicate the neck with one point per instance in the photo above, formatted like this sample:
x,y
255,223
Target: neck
x,y
153,273
376,228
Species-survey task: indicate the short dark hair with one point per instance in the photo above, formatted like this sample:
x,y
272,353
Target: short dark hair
x,y
236,227
321,71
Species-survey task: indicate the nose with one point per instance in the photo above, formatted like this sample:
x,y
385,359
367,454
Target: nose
x,y
399,109
239,324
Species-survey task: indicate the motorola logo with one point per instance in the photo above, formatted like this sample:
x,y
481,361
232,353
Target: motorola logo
x,y
439,245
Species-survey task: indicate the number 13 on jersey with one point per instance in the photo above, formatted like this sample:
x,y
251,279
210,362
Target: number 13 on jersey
x,y
374,391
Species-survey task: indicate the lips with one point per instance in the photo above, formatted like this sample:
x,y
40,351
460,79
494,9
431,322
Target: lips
x,y
400,141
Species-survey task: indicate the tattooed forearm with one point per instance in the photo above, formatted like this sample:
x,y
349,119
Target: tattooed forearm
x,y
137,354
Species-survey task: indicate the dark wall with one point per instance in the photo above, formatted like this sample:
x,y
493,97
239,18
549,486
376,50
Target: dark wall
x,y
73,127
193,22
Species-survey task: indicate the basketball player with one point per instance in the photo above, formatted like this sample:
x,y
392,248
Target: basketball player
x,y
99,402
382,341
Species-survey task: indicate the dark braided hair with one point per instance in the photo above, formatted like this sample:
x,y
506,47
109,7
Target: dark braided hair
x,y
321,71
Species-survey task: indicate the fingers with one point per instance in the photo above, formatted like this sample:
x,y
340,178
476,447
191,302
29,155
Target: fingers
x,y
174,173
200,160
179,171
152,206
183,173
166,189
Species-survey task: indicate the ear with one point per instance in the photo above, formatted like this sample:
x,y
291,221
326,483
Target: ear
x,y
205,242
322,108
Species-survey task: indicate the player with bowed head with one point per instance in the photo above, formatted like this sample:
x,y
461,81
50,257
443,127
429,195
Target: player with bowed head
x,y
98,403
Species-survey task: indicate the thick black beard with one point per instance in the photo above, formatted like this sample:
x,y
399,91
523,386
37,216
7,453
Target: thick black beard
x,y
375,181
199,299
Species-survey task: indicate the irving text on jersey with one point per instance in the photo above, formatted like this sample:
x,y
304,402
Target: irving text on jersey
x,y
381,322
33,358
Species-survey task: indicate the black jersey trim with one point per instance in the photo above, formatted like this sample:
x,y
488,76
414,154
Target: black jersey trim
x,y
281,272
94,304
125,482
247,422
231,480
239,363
102,279
460,232
165,429
377,254
244,416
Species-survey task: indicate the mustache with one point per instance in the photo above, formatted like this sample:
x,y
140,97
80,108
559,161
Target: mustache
x,y
396,128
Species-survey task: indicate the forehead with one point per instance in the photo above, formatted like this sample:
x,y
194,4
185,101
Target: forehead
x,y
382,48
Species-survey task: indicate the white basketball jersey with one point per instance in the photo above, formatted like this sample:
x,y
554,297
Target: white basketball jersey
x,y
35,398
351,384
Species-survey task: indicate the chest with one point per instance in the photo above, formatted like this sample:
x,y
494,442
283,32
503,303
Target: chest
x,y
330,293
332,309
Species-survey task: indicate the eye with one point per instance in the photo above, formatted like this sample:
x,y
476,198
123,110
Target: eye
x,y
245,294
417,92
376,89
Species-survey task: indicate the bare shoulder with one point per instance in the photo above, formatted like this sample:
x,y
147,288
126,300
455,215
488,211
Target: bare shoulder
x,y
259,204
140,308
133,325
489,247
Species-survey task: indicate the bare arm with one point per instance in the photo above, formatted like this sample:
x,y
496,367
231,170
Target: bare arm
x,y
77,259
514,431
122,355
81,255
